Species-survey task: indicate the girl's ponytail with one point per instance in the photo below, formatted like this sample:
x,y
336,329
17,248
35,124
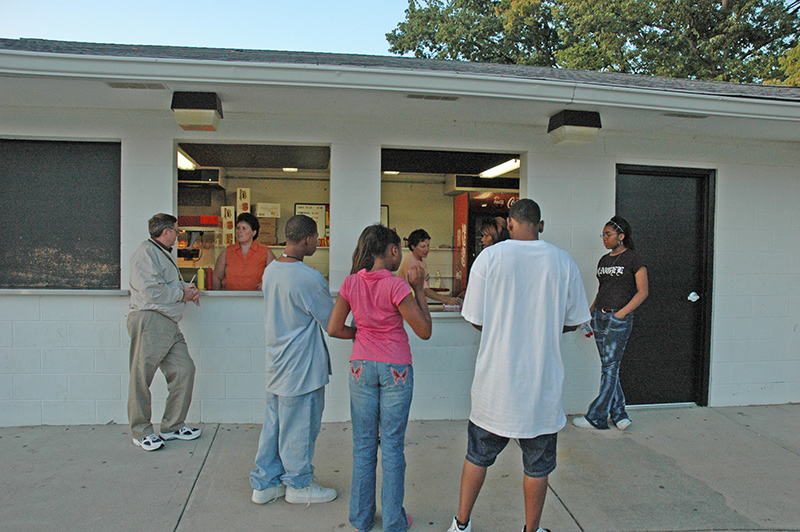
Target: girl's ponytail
x,y
373,242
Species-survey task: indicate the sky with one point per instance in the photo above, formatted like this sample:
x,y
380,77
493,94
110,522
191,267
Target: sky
x,y
341,26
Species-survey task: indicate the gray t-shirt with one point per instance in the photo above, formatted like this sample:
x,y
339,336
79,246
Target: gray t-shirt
x,y
297,307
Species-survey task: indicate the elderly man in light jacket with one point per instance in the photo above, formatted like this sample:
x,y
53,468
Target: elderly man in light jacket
x,y
158,297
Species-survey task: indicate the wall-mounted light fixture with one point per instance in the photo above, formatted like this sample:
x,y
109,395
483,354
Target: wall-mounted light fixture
x,y
500,169
573,128
197,111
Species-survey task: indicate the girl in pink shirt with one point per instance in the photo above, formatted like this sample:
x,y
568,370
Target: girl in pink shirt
x,y
381,376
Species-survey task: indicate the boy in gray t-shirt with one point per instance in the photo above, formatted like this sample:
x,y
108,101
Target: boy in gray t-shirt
x,y
297,307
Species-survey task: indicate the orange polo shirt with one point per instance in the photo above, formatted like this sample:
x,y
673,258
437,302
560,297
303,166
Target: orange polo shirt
x,y
244,273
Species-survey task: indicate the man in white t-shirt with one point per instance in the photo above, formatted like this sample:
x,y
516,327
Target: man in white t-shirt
x,y
522,294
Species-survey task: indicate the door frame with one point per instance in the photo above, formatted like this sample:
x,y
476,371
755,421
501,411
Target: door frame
x,y
708,177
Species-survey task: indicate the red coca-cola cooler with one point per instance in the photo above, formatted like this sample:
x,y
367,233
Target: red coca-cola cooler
x,y
471,209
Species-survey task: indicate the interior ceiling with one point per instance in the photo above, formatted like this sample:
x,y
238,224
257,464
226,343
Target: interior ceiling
x,y
260,156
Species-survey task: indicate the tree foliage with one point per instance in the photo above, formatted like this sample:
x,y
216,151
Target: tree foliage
x,y
474,30
740,41
790,63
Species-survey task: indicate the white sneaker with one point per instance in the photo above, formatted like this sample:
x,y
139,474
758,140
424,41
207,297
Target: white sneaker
x,y
269,495
313,493
185,433
151,442
582,422
454,526
623,424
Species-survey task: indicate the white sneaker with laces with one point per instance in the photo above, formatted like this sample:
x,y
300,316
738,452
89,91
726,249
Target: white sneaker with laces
x,y
151,442
269,495
313,493
454,526
623,424
185,433
582,422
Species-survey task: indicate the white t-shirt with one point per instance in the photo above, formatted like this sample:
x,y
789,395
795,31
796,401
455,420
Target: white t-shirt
x,y
523,293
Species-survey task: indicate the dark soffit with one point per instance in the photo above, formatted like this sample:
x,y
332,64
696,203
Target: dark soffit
x,y
317,158
258,156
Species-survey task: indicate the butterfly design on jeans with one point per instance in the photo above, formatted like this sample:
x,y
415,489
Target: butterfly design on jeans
x,y
397,375
355,372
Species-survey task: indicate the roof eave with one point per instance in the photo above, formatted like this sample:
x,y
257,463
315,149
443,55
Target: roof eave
x,y
589,95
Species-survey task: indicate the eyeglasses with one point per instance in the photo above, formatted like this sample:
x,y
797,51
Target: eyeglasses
x,y
608,234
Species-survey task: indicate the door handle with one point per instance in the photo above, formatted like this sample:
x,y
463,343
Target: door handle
x,y
693,297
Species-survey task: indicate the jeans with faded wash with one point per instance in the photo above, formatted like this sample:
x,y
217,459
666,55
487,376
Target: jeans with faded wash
x,y
287,441
380,399
611,335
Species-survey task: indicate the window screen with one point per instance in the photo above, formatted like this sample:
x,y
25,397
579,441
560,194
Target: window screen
x,y
59,214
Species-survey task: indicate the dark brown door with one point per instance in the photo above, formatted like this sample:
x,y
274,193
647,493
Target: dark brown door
x,y
671,214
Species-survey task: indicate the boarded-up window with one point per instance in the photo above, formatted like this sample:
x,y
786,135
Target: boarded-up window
x,y
59,214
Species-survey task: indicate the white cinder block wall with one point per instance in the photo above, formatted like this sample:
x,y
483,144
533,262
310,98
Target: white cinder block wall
x,y
63,358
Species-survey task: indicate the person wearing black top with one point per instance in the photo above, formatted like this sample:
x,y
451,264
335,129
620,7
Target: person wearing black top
x,y
623,287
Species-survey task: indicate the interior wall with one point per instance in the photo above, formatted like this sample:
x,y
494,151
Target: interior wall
x,y
287,192
420,205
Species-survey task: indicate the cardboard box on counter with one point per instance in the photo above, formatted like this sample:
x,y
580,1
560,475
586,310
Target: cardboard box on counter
x,y
268,231
267,240
268,210
270,224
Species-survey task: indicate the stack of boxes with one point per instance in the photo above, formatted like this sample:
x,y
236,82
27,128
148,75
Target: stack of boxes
x,y
268,214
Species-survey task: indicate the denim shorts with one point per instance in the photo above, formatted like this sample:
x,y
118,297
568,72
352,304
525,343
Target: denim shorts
x,y
538,454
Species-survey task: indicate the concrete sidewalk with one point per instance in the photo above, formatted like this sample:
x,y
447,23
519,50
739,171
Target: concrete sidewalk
x,y
676,469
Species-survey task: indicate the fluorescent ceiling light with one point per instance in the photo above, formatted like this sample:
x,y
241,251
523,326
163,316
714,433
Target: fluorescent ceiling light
x,y
500,169
290,169
184,163
390,172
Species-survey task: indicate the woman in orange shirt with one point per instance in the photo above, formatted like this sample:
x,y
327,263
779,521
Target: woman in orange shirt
x,y
241,265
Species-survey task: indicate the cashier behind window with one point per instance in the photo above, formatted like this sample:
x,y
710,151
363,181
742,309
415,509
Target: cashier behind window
x,y
241,265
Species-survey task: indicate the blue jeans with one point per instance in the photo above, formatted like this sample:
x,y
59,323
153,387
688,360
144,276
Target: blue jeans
x,y
611,335
286,445
380,399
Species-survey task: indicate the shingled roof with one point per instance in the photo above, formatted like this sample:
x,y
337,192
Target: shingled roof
x,y
579,77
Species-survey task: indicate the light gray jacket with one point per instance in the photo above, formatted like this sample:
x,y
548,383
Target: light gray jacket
x,y
155,281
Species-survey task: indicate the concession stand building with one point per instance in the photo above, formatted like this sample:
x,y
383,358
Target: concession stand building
x,y
96,138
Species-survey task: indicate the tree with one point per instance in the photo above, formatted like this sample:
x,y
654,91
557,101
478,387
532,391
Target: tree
x,y
474,30
741,41
790,63
696,39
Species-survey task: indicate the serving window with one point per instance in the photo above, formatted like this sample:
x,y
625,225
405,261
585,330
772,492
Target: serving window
x,y
266,180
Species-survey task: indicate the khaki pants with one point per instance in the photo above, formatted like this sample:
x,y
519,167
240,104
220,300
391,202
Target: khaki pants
x,y
157,342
